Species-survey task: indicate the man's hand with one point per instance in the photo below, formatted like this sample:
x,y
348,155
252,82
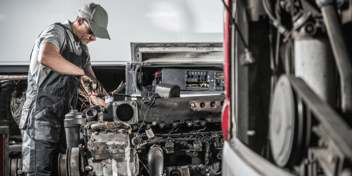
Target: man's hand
x,y
92,85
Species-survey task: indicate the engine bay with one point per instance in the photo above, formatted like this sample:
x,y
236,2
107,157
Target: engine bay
x,y
172,136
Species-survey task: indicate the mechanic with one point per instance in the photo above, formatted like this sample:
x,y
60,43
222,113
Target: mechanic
x,y
59,60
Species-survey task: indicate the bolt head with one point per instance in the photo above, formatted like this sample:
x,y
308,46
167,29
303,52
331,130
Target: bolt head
x,y
193,105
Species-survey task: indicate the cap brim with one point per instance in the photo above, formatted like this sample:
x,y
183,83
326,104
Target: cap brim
x,y
99,31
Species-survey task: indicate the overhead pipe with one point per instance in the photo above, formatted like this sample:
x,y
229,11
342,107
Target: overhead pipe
x,y
14,77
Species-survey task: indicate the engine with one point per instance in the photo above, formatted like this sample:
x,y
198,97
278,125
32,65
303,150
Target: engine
x,y
163,134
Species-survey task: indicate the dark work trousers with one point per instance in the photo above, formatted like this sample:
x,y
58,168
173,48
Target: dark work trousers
x,y
44,152
43,114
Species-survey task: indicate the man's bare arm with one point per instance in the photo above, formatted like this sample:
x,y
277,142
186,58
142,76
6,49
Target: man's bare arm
x,y
49,55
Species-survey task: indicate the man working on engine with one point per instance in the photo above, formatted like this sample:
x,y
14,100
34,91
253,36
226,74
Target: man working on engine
x,y
59,58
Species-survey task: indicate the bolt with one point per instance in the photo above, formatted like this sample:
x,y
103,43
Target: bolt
x,y
189,123
195,153
203,122
118,165
175,124
251,133
193,105
309,28
162,125
219,156
88,168
201,166
134,127
19,172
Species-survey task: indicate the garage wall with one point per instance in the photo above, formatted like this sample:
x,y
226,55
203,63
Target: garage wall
x,y
21,21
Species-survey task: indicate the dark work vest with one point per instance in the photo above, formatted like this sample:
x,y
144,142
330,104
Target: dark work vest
x,y
46,104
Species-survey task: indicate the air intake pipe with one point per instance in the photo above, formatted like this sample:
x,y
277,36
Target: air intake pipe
x,y
156,161
340,51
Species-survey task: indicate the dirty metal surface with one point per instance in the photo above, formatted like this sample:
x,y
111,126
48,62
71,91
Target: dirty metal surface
x,y
62,164
339,132
169,110
74,162
167,52
181,170
327,160
131,113
166,90
13,166
108,145
206,105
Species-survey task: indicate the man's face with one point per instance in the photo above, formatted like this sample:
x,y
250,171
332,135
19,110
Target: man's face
x,y
87,34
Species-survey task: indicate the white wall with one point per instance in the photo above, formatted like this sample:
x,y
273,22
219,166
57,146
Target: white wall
x,y
21,21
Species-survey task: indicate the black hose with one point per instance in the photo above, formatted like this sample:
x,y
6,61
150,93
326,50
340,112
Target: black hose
x,y
156,161
135,78
267,11
207,155
213,172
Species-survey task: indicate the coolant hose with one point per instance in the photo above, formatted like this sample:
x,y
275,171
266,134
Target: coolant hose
x,y
341,53
207,155
156,161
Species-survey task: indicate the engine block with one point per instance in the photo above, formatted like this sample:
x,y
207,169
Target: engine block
x,y
111,154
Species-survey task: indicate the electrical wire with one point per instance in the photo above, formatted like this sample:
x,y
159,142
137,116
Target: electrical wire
x,y
267,11
145,114
235,24
247,57
118,89
144,165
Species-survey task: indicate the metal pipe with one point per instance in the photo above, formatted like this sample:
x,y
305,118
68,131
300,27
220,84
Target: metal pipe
x,y
156,161
14,77
181,108
340,51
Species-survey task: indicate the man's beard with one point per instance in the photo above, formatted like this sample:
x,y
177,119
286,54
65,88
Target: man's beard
x,y
83,41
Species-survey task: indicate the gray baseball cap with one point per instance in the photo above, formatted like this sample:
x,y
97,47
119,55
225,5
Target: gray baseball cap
x,y
97,17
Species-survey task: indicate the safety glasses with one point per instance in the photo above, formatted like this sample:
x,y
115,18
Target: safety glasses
x,y
89,28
